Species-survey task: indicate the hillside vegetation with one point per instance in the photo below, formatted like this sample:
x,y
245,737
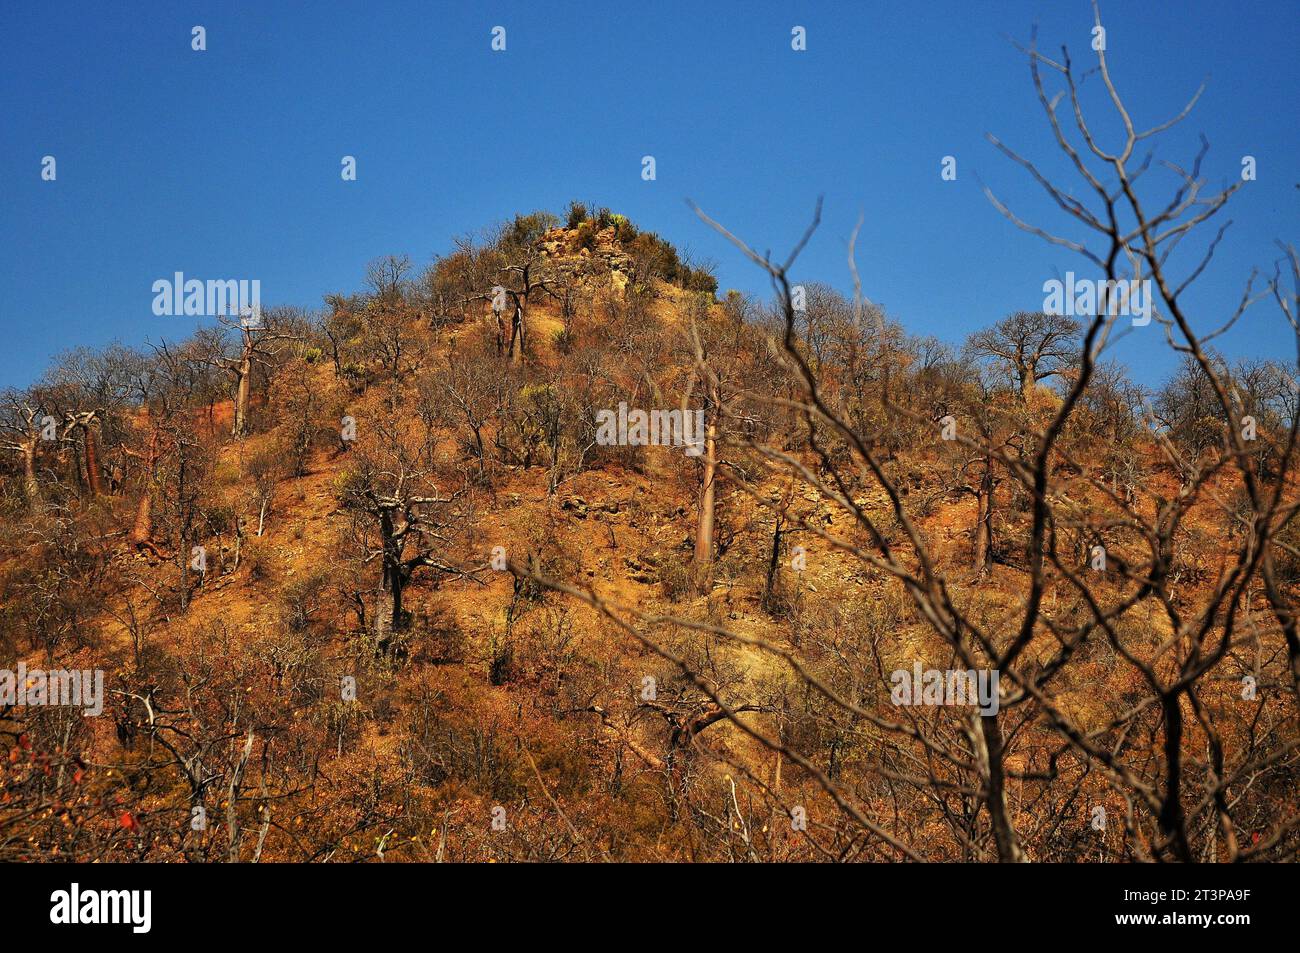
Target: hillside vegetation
x,y
366,584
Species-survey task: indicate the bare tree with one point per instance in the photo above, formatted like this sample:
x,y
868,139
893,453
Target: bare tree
x,y
259,342
85,421
525,279
1031,345
392,487
23,422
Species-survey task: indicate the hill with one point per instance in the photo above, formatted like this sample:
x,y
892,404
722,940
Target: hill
x,y
373,583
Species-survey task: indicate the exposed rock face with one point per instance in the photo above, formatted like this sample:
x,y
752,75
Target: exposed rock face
x,y
605,258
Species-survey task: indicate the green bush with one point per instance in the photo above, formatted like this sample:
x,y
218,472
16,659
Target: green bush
x,y
699,279
625,232
526,229
577,214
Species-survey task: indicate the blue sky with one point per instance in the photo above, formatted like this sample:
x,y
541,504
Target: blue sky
x,y
225,163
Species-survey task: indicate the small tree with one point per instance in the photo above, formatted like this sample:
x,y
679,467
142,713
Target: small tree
x,y
404,521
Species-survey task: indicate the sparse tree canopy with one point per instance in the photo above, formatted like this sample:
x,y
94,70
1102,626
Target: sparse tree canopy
x,y
1030,346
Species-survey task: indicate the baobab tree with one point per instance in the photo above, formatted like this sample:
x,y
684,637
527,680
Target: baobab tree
x,y
705,522
1031,345
407,524
24,424
518,263
90,390
722,353
84,422
142,526
983,406
258,344
164,386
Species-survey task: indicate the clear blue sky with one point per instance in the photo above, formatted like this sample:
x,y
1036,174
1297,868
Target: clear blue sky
x,y
225,163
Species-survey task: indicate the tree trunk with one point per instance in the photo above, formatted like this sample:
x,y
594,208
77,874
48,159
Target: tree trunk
x,y
31,489
388,610
704,529
773,563
501,332
1173,821
984,520
242,375
388,616
991,760
399,586
93,476
142,530
182,538
1027,383
517,335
